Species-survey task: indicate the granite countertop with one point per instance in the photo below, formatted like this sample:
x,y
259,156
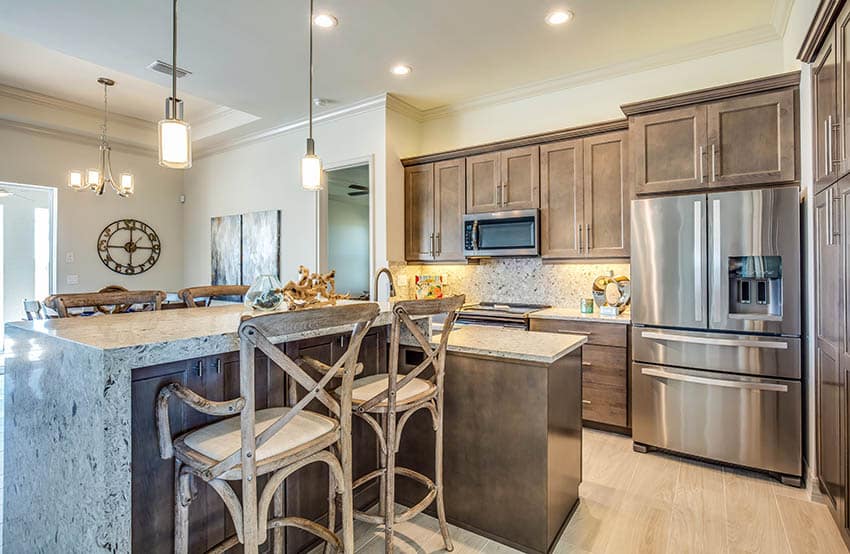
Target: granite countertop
x,y
145,329
513,344
576,315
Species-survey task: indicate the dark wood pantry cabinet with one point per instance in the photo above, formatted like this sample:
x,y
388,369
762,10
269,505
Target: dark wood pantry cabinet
x,y
434,203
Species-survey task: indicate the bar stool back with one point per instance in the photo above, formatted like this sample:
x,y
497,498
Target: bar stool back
x,y
387,396
201,297
274,441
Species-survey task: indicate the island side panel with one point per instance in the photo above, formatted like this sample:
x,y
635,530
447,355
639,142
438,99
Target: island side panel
x,y
565,440
67,436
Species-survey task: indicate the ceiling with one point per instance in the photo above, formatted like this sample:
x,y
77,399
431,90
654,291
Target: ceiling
x,y
250,55
339,181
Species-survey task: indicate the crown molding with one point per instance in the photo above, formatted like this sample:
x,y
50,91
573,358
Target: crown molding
x,y
404,108
75,136
780,15
822,21
40,99
733,41
373,103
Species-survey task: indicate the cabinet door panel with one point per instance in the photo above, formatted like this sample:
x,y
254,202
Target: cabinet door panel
x,y
483,183
842,129
825,95
561,199
666,154
752,139
419,212
520,178
607,196
449,203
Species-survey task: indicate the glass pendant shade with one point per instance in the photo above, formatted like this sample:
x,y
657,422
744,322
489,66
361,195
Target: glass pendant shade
x,y
92,177
311,172
126,186
175,144
75,179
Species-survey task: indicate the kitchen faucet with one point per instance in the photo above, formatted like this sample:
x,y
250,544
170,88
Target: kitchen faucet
x,y
378,278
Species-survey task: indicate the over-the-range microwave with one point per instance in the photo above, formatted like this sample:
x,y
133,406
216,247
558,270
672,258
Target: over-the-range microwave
x,y
509,233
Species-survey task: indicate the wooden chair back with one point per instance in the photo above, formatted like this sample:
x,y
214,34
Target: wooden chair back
x,y
105,302
34,310
258,333
200,297
435,357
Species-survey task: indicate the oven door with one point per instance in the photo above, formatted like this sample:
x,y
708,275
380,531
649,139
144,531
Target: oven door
x,y
748,421
513,233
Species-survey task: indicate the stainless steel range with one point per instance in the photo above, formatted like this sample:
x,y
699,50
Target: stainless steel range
x,y
498,314
716,327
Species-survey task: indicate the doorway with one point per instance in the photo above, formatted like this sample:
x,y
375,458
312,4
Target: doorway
x,y
347,234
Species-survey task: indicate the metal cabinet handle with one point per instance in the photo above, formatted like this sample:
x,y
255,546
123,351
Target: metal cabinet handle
x,y
713,165
589,243
583,401
218,366
833,128
499,195
504,194
835,226
431,246
571,332
586,364
698,260
579,239
701,164
200,368
711,341
439,241
746,385
829,147
826,153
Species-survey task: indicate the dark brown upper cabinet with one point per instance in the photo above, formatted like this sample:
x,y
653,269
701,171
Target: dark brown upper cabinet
x,y
735,135
669,150
585,198
825,95
434,203
506,180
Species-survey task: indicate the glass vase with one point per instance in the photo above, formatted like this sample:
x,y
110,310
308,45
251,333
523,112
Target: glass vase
x,y
264,294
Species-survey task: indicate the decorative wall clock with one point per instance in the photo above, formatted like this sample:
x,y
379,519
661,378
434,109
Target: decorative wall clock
x,y
128,246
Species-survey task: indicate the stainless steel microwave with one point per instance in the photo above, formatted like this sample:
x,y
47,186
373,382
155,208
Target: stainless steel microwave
x,y
512,233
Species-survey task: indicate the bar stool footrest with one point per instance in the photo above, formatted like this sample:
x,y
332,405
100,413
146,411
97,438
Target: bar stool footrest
x,y
411,512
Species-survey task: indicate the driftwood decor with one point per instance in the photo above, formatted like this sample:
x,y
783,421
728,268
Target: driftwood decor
x,y
312,290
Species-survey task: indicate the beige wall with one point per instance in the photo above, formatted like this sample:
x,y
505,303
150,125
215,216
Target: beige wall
x,y
36,159
265,175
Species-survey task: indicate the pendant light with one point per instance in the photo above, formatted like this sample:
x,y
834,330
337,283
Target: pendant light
x,y
311,164
96,179
175,135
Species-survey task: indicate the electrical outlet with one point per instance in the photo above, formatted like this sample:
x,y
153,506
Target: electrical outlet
x,y
72,280
69,257
402,280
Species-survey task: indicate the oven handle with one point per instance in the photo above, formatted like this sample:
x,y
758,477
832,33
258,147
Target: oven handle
x,y
749,343
746,385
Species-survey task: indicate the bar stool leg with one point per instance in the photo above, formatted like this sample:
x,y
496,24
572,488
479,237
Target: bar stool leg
x,y
382,508
278,536
331,508
389,499
438,476
181,510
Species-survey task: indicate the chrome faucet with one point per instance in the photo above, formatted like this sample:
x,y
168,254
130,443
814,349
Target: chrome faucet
x,y
378,278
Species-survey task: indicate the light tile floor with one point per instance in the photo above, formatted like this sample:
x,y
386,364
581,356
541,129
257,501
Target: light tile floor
x,y
656,503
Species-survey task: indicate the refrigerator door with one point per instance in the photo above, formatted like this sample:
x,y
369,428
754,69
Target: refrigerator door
x,y
754,260
669,262
753,422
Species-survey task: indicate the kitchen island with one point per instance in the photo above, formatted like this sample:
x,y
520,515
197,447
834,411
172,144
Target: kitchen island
x,y
80,428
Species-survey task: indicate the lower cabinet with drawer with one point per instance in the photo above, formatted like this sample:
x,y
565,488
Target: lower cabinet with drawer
x,y
605,370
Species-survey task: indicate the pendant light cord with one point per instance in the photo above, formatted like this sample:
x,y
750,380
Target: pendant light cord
x,y
174,63
310,99
105,115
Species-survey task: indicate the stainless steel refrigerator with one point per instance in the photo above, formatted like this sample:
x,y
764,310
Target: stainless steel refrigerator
x,y
716,315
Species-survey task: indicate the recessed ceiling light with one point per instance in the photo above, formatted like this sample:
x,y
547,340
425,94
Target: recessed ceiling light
x,y
401,70
325,20
320,102
559,17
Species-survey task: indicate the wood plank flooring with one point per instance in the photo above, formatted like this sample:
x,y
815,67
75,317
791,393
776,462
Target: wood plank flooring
x,y
656,503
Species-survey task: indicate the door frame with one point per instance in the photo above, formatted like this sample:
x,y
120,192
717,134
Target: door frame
x,y
321,260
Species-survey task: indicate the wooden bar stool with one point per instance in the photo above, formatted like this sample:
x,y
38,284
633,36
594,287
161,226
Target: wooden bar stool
x,y
274,441
387,396
110,302
201,297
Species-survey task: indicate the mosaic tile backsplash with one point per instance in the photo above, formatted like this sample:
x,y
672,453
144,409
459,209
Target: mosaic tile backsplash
x,y
513,280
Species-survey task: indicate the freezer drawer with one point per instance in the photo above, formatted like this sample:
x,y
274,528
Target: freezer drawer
x,y
747,421
749,354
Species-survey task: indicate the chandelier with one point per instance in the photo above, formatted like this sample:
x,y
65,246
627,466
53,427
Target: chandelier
x,y
96,180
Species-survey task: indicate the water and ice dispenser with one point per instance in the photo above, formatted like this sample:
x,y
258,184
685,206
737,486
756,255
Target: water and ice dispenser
x,y
755,287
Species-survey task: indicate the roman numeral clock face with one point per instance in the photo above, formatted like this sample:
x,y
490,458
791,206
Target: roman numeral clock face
x,y
128,246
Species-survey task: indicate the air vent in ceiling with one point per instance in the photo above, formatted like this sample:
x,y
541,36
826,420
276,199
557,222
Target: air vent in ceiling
x,y
164,67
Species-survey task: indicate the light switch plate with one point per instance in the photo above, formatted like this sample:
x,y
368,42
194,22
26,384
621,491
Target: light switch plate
x,y
69,257
72,280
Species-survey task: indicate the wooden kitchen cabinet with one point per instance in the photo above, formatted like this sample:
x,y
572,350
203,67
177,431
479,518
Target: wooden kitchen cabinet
x,y
434,204
585,198
605,374
504,180
825,79
730,136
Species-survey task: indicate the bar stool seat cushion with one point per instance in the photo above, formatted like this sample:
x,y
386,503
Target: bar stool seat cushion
x,y
366,388
219,440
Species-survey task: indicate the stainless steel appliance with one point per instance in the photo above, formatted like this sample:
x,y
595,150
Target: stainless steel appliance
x,y
716,315
498,314
512,233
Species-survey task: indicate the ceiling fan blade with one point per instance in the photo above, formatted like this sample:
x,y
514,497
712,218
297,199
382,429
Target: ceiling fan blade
x,y
358,187
365,193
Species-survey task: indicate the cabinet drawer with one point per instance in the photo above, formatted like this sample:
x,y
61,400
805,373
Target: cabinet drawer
x,y
604,365
601,334
604,404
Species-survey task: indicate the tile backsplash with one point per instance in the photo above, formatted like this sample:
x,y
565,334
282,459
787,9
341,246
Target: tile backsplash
x,y
513,280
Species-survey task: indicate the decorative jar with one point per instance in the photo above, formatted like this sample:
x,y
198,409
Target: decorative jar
x,y
265,294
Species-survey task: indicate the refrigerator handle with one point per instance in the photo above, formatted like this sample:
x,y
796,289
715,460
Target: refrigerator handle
x,y
748,385
717,296
698,256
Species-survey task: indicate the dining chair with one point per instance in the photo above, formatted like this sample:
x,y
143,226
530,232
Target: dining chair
x,y
34,310
392,398
198,297
113,302
275,442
